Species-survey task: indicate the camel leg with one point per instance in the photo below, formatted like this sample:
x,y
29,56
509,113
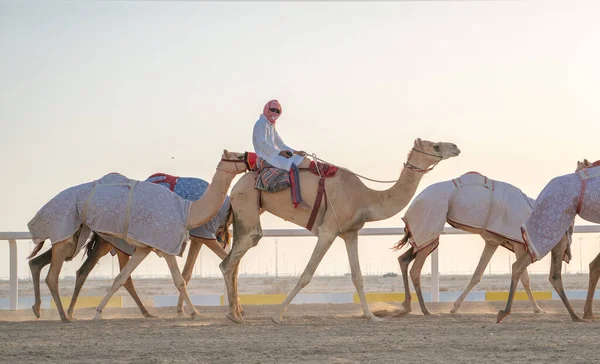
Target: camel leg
x,y
323,243
247,232
404,260
415,274
556,278
180,283
195,245
525,281
229,268
123,259
594,275
60,251
138,256
215,247
518,268
85,269
488,252
351,240
35,265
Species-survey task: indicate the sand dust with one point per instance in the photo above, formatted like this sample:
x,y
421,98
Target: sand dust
x,y
313,333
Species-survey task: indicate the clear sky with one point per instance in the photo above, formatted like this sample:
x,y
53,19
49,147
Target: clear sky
x,y
138,87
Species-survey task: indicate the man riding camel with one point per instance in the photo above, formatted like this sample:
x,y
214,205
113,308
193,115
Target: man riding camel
x,y
269,147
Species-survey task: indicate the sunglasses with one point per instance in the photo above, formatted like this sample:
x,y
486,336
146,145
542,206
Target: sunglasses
x,y
276,111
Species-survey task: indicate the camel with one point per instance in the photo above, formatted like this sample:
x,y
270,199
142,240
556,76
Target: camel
x,y
186,187
594,264
349,204
98,247
491,209
549,227
123,208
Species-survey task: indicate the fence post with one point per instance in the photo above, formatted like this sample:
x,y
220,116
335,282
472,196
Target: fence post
x,y
14,276
435,276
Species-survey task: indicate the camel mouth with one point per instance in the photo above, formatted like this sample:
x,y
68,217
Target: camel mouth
x,y
454,153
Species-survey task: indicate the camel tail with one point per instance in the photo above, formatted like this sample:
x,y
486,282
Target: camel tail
x,y
92,245
402,241
36,249
223,234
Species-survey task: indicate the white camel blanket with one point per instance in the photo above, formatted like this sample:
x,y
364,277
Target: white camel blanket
x,y
118,206
556,207
472,200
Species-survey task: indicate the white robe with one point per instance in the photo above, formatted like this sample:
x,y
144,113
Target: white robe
x,y
267,145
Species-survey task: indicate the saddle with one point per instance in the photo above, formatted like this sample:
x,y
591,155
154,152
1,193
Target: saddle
x,y
167,178
319,169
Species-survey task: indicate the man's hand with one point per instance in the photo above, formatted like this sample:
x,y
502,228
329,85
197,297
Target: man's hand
x,y
300,152
286,153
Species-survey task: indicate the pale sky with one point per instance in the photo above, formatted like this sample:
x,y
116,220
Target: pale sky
x,y
138,87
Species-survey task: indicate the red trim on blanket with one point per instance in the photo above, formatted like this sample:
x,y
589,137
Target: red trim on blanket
x,y
486,230
412,241
171,180
527,245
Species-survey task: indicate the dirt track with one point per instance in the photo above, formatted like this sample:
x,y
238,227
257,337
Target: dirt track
x,y
312,333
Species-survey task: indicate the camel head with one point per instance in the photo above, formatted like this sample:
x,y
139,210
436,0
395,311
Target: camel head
x,y
232,162
431,153
582,165
586,164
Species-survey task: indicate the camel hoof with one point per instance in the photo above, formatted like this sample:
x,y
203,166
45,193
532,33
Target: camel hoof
x,y
590,316
455,310
195,314
376,319
501,315
148,315
65,319
36,311
426,313
98,316
235,319
181,314
538,311
277,319
579,319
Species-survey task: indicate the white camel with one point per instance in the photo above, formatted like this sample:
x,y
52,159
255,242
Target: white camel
x,y
492,209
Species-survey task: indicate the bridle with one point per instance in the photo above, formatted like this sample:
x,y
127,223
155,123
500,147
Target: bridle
x,y
421,170
233,161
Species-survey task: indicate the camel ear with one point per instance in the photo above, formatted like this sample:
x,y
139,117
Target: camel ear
x,y
418,142
586,162
226,153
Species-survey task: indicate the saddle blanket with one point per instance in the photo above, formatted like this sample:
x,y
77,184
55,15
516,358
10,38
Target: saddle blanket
x,y
466,201
189,188
555,209
273,179
117,206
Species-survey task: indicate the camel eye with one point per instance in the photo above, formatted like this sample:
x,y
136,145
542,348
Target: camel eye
x,y
436,147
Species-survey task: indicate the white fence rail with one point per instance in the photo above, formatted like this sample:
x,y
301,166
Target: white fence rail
x,y
12,238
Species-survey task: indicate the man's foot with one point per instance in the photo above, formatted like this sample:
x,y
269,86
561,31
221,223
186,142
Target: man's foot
x,y
303,206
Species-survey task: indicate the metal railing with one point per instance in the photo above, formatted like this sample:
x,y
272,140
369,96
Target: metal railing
x,y
12,238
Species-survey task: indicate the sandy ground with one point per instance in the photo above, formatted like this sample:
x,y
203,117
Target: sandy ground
x,y
312,333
